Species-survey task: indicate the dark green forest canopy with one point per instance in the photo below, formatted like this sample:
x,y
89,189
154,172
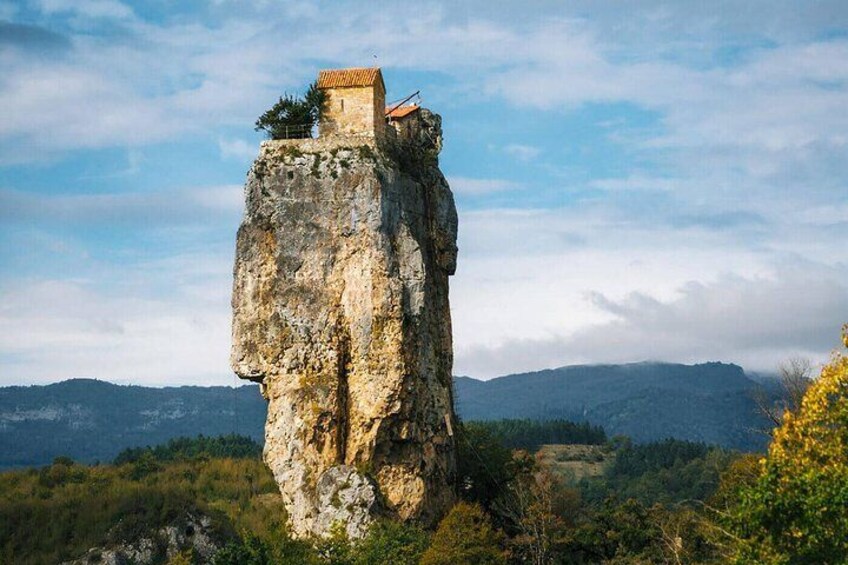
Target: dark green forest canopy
x,y
530,434
668,471
201,447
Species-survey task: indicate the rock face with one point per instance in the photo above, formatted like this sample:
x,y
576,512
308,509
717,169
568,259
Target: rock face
x,y
194,533
340,311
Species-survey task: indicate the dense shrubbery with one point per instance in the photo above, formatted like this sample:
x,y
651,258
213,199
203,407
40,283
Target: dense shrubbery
x,y
386,543
402,544
58,512
515,510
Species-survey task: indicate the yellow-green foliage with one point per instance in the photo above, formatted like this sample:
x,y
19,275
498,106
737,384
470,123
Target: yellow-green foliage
x,y
797,509
184,558
58,512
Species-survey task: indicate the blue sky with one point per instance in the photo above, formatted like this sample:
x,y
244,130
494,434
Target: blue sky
x,y
638,181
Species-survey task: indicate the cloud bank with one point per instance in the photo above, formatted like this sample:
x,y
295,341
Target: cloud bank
x,y
652,181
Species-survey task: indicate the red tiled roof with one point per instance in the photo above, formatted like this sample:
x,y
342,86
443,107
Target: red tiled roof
x,y
341,78
400,111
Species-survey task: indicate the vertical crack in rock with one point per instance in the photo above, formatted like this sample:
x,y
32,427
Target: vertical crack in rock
x,y
340,310
342,400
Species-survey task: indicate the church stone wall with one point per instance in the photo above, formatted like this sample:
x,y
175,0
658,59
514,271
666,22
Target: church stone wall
x,y
353,111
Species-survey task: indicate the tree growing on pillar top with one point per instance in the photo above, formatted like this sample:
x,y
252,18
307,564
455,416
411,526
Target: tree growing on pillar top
x,y
293,117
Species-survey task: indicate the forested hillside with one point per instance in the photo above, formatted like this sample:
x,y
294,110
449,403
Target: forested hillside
x,y
712,403
93,420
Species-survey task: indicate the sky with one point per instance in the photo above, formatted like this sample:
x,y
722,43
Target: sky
x,y
635,181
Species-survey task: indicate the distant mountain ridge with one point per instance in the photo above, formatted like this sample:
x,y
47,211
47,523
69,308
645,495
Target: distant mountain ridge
x,y
710,402
93,420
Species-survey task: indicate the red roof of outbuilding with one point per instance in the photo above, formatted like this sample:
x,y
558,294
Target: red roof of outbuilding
x,y
400,111
342,78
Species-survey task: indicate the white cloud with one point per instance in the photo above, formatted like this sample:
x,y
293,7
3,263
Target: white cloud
x,y
51,107
151,312
772,99
227,199
118,210
754,322
479,187
542,288
53,329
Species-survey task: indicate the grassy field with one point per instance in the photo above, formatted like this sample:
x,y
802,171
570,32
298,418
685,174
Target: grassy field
x,y
575,462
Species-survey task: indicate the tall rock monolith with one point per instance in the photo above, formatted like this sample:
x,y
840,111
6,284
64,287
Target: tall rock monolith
x,y
340,311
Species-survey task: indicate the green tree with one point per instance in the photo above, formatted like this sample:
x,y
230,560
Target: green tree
x,y
484,466
143,466
391,542
248,551
797,509
293,117
617,533
465,537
